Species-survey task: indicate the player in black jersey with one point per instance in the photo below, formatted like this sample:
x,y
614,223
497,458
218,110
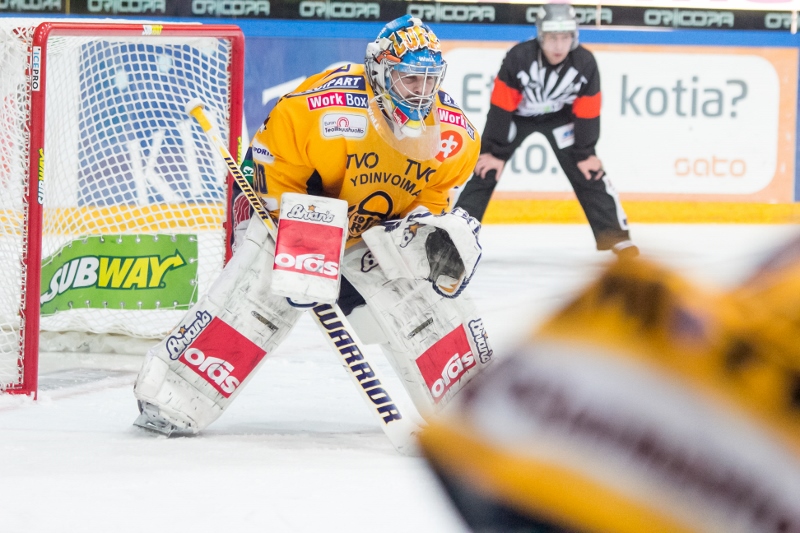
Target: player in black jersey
x,y
551,85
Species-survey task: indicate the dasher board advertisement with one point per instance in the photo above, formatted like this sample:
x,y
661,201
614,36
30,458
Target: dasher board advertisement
x,y
698,123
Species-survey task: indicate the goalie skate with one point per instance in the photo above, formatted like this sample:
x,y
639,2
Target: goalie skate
x,y
151,420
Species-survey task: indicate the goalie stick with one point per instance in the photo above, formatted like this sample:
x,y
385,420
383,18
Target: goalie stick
x,y
400,429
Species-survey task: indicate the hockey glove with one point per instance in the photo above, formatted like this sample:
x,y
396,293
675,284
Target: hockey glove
x,y
443,256
442,249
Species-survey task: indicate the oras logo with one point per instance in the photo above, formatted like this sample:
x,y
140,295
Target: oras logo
x,y
216,370
450,145
453,370
314,263
223,374
446,362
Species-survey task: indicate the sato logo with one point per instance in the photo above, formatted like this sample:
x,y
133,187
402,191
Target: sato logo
x,y
342,125
446,362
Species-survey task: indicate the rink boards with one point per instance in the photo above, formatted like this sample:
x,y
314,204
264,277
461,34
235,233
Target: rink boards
x,y
697,125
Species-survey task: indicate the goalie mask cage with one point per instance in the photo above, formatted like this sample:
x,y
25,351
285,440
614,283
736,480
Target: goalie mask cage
x,y
114,216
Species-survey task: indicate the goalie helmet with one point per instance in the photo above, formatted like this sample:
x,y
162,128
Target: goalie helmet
x,y
405,69
557,18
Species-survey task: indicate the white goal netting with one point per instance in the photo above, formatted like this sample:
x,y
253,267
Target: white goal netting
x,y
133,199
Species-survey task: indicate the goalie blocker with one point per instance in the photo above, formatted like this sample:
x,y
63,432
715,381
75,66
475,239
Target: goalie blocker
x,y
309,248
415,309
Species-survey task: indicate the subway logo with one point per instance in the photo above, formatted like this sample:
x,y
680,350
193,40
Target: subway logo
x,y
103,272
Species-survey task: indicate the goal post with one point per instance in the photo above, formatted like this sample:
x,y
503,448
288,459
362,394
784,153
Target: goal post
x,y
114,213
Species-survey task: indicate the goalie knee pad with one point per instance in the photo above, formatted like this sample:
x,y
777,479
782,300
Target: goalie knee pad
x,y
193,374
435,344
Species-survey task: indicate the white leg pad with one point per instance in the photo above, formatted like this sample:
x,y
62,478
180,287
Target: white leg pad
x,y
200,367
435,344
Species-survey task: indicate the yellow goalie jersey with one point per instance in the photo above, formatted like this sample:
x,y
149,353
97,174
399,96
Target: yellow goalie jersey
x,y
321,140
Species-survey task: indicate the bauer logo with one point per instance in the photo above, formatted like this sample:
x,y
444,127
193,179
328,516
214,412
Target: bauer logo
x,y
444,364
448,100
481,340
36,68
300,212
183,338
341,125
222,357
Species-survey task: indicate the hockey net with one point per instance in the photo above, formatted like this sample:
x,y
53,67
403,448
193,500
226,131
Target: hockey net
x,y
113,209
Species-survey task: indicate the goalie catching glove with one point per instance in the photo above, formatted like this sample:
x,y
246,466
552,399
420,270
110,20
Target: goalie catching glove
x,y
443,249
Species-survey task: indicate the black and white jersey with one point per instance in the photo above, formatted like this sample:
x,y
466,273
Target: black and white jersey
x,y
528,86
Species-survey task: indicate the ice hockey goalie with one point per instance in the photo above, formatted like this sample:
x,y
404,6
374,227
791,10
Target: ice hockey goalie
x,y
371,136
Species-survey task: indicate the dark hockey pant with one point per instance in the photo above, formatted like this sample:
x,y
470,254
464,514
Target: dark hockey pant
x,y
598,198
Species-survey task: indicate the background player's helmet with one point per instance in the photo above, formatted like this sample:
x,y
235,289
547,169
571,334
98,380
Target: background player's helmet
x,y
405,52
553,18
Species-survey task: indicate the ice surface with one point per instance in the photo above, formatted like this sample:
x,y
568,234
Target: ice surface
x,y
298,451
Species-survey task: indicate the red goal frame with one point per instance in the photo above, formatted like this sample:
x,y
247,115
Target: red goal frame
x,y
32,233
